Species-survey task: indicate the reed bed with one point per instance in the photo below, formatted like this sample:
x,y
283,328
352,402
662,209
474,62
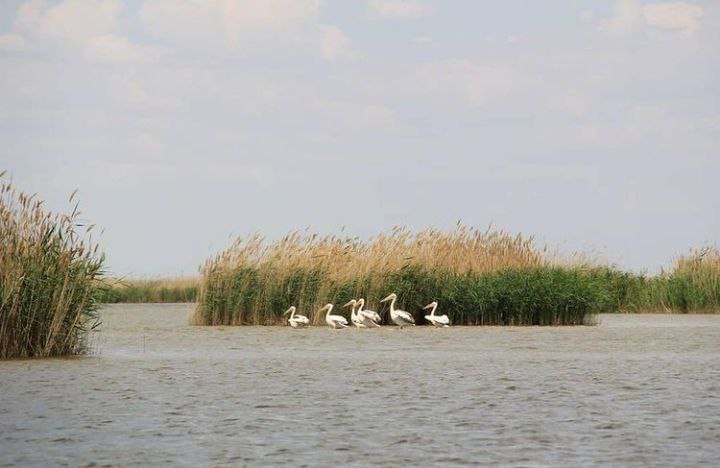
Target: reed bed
x,y
49,268
480,277
183,289
691,285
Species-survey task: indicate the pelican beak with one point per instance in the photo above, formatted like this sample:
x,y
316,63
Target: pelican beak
x,y
350,303
429,306
387,298
287,311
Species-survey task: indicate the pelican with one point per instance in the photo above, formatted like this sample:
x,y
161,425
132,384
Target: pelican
x,y
334,321
400,317
354,317
437,320
373,318
296,321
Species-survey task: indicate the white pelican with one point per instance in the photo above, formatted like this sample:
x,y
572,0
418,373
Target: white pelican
x,y
296,321
334,321
437,320
373,318
354,318
400,317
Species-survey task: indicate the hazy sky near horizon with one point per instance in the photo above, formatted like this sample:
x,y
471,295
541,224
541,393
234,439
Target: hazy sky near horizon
x,y
593,125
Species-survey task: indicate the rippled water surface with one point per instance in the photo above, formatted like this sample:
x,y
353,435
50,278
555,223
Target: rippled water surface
x,y
634,390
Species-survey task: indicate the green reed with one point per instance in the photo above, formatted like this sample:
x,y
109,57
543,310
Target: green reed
x,y
149,290
479,278
691,285
49,269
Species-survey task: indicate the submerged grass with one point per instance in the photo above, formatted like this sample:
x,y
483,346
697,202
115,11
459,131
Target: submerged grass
x,y
183,289
48,276
480,278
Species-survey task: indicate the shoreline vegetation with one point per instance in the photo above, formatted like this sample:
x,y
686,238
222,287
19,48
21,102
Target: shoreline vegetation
x,y
49,268
52,279
156,290
479,277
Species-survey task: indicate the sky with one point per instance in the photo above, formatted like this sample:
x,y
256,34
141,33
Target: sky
x,y
590,125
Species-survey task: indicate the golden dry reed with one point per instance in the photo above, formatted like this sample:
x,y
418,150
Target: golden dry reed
x,y
49,267
691,285
480,277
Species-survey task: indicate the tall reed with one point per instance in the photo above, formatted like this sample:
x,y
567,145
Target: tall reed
x,y
183,289
480,277
691,285
49,267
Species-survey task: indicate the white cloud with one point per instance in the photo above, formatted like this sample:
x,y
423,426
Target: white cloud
x,y
399,8
335,44
132,91
109,48
674,15
627,13
586,15
474,82
246,26
346,118
72,20
378,117
182,21
92,26
268,14
630,15
223,22
88,26
574,103
12,43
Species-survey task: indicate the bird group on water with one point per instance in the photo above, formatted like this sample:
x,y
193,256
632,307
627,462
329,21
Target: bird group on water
x,y
363,318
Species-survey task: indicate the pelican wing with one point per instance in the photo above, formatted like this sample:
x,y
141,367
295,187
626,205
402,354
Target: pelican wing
x,y
339,319
405,316
301,319
370,314
368,323
359,323
438,320
442,319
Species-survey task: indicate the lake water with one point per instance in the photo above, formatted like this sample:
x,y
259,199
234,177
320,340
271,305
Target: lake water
x,y
634,390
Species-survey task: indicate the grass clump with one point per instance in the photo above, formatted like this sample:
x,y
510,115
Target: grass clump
x,y
48,277
150,290
480,278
